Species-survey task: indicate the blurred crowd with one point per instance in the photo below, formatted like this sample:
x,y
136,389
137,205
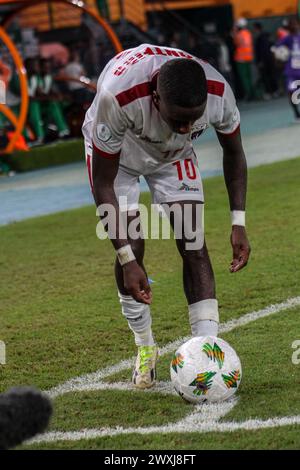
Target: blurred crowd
x,y
62,81
59,95
243,55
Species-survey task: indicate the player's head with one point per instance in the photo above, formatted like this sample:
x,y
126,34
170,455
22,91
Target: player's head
x,y
181,94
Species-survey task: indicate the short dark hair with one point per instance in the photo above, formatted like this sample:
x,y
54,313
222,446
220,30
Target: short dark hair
x,y
183,83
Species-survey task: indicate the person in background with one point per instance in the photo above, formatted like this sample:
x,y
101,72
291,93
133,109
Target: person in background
x,y
32,66
292,66
243,57
50,99
283,30
75,70
224,64
265,62
228,38
103,8
44,103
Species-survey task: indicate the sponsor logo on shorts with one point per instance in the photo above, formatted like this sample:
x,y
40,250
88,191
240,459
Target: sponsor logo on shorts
x,y
186,187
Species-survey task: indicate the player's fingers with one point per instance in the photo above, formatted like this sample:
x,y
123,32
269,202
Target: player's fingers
x,y
239,264
142,297
147,296
145,286
235,257
146,291
240,261
142,293
234,266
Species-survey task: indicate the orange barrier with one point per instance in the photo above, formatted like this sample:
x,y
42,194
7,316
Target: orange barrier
x,y
24,4
20,6
9,114
20,122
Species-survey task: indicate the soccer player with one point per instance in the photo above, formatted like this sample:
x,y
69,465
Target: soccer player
x,y
151,103
292,66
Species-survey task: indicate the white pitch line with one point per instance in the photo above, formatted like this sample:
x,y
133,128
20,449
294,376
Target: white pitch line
x,y
202,427
164,388
203,419
208,413
89,380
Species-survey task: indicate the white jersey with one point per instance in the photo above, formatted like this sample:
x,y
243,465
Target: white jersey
x,y
123,116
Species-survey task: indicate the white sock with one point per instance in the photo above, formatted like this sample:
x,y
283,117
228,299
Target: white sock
x,y
204,317
205,328
139,320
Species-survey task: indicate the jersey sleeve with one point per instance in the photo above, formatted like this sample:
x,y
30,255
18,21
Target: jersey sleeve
x,y
230,115
109,126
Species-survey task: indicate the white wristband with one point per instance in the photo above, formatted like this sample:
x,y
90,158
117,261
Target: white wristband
x,y
238,218
125,255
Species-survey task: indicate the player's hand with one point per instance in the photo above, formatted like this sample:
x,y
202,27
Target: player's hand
x,y
241,248
136,283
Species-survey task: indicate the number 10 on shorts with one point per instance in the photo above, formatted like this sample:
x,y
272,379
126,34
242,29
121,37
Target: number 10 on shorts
x,y
186,166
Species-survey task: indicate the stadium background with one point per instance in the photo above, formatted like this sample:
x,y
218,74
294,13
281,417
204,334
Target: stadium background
x,y
45,174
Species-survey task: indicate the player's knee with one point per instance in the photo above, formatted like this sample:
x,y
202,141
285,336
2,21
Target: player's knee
x,y
192,248
194,256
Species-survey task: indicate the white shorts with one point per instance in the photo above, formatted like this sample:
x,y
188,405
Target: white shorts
x,y
169,182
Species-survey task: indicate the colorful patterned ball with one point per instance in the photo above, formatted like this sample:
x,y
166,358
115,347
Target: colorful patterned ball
x,y
206,368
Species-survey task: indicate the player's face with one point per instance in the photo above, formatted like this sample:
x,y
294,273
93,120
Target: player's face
x,y
179,119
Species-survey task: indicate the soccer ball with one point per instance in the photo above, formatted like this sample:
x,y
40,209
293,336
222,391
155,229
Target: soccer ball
x,y
205,368
281,53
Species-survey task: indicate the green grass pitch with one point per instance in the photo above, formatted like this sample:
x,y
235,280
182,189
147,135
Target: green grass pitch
x,y
60,318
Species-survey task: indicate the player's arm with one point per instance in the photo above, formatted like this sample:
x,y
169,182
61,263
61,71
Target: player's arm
x,y
235,174
108,133
104,172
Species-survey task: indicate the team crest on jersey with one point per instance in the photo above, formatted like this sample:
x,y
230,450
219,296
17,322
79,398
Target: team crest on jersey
x,y
235,115
103,132
198,129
